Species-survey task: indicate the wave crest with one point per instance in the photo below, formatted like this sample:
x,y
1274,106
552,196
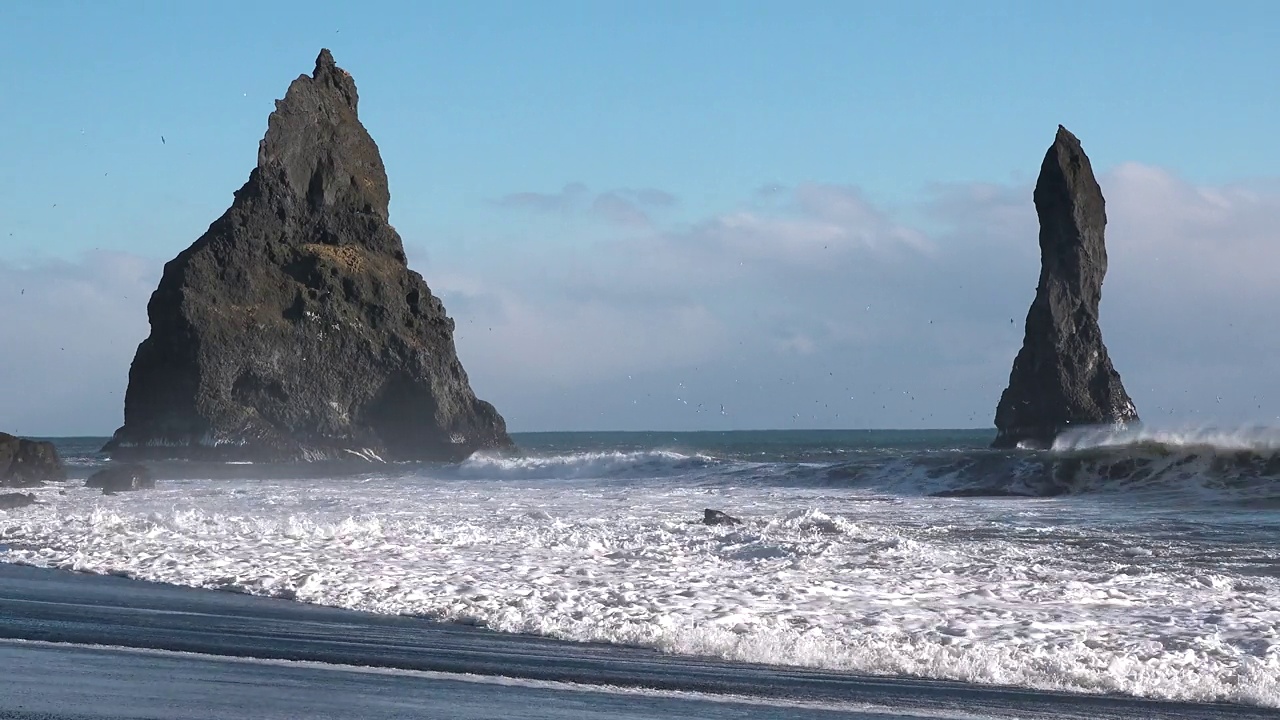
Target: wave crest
x,y
1261,439
583,465
1203,466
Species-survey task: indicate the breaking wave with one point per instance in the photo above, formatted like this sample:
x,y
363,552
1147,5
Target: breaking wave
x,y
1207,465
1262,439
596,465
853,553
832,579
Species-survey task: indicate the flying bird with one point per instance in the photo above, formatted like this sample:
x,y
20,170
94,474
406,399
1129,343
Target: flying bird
x,y
162,142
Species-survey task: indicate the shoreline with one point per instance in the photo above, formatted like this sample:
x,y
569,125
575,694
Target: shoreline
x,y
75,610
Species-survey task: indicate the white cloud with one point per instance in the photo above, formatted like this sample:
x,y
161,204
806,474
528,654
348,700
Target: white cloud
x,y
72,327
804,306
616,209
1230,232
1191,292
628,207
570,198
815,279
521,336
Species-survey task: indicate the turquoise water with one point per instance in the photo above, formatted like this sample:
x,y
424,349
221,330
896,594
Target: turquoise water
x,y
768,445
783,445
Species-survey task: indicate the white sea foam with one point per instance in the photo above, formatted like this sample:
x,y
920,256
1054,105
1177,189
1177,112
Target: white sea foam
x,y
598,465
1260,439
1049,595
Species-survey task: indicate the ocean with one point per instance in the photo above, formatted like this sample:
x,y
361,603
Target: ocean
x,y
1138,563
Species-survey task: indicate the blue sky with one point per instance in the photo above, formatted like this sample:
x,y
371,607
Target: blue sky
x,y
706,147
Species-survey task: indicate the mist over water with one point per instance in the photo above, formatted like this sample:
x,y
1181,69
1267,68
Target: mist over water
x,y
1141,563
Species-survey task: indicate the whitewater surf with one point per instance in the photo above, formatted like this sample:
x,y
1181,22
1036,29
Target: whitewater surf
x,y
1141,564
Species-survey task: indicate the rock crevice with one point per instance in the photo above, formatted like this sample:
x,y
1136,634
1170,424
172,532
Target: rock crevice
x,y
1063,377
293,329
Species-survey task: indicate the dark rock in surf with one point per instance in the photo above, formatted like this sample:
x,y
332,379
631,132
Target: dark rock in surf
x,y
293,329
1063,377
13,501
715,517
122,478
24,463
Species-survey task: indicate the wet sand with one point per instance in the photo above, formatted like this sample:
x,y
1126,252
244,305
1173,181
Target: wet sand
x,y
86,646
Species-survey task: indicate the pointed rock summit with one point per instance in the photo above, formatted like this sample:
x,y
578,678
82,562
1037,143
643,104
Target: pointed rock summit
x,y
293,329
1062,377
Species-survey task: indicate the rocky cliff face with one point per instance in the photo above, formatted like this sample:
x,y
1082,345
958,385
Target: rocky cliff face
x,y
25,463
1063,376
293,328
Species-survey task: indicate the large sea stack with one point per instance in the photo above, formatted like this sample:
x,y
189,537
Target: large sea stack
x,y
293,329
1062,377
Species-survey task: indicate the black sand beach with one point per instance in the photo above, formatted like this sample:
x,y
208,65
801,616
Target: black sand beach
x,y
90,646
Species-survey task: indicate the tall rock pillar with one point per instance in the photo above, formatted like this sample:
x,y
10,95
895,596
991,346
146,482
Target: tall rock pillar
x,y
1063,377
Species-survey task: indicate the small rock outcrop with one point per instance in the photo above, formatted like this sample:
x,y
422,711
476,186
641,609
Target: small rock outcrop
x,y
13,501
121,478
293,329
24,463
1063,377
716,517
